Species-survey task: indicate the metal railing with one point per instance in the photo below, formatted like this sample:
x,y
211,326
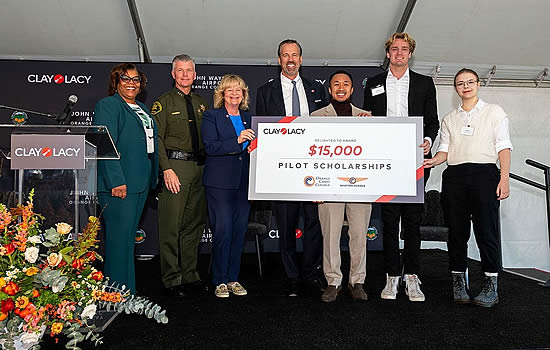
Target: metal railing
x,y
545,187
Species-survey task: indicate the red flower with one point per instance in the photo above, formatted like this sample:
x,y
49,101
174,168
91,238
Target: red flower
x,y
78,263
7,305
11,288
98,276
9,248
91,256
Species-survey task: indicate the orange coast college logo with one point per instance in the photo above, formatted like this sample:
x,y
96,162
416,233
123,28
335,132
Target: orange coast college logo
x,y
352,180
309,181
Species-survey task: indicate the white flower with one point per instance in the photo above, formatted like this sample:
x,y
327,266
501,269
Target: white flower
x,y
12,274
54,259
35,239
63,228
89,311
29,338
31,254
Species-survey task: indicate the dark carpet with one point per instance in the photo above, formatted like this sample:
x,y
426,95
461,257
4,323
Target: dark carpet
x,y
267,320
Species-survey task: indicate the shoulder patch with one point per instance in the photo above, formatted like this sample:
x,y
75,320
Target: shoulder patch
x,y
157,107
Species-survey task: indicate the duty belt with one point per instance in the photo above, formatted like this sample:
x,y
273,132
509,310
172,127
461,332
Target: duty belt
x,y
180,155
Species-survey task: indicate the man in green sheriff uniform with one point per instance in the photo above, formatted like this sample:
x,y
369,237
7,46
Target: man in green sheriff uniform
x,y
182,204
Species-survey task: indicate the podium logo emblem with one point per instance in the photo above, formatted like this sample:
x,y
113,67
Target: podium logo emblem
x,y
37,151
47,152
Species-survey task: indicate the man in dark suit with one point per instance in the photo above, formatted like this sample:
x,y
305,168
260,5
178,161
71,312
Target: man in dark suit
x,y
293,95
401,92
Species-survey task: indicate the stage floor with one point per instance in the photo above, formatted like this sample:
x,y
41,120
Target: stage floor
x,y
267,320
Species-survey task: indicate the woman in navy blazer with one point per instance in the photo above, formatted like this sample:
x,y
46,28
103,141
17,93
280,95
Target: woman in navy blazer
x,y
123,184
226,134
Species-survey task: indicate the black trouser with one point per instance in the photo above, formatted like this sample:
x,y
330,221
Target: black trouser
x,y
287,214
411,217
469,195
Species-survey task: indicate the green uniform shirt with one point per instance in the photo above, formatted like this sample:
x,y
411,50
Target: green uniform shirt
x,y
170,113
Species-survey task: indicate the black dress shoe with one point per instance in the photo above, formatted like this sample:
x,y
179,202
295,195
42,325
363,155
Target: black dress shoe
x,y
292,288
176,291
317,284
197,287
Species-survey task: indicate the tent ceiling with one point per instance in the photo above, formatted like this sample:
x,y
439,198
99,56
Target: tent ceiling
x,y
509,34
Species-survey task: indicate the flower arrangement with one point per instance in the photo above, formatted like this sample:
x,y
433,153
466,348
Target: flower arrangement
x,y
48,283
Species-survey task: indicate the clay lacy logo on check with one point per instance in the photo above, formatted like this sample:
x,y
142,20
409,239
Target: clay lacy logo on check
x,y
284,131
352,181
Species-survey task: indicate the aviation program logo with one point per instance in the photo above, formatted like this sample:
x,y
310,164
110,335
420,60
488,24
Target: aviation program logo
x,y
352,180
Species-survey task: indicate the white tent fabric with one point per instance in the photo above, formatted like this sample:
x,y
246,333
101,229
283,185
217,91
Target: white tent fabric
x,y
510,34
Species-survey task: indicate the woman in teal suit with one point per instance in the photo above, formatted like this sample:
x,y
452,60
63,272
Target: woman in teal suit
x,y
123,184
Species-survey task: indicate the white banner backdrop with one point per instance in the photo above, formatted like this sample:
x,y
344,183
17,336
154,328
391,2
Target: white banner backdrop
x,y
523,215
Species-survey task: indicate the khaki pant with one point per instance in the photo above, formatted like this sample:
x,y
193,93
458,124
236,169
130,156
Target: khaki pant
x,y
331,216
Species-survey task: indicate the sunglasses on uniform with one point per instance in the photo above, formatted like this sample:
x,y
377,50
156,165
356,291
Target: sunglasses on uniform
x,y
126,79
464,84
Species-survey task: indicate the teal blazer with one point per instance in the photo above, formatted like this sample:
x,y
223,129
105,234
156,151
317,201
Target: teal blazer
x,y
135,169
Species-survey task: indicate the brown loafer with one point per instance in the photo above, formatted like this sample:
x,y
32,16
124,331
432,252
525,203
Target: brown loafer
x,y
330,294
357,292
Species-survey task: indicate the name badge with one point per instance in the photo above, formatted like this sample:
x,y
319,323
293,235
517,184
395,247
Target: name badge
x,y
150,137
175,113
467,131
377,90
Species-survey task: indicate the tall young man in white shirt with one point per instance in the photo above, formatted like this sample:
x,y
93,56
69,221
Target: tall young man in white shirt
x,y
401,92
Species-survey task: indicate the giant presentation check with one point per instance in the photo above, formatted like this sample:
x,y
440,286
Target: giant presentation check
x,y
340,159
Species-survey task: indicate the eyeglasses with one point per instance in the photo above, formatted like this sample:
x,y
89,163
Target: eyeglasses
x,y
127,79
464,84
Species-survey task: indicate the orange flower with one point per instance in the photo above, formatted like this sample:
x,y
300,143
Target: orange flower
x,y
9,248
78,264
3,316
91,256
98,276
31,271
57,327
11,288
2,282
7,305
22,302
23,226
35,293
30,309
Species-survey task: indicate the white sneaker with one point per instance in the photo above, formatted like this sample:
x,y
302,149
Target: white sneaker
x,y
236,288
390,290
412,288
221,291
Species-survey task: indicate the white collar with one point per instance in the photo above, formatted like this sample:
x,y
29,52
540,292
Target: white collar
x,y
284,79
479,106
406,75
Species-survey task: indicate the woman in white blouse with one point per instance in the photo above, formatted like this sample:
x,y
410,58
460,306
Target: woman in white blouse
x,y
473,138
